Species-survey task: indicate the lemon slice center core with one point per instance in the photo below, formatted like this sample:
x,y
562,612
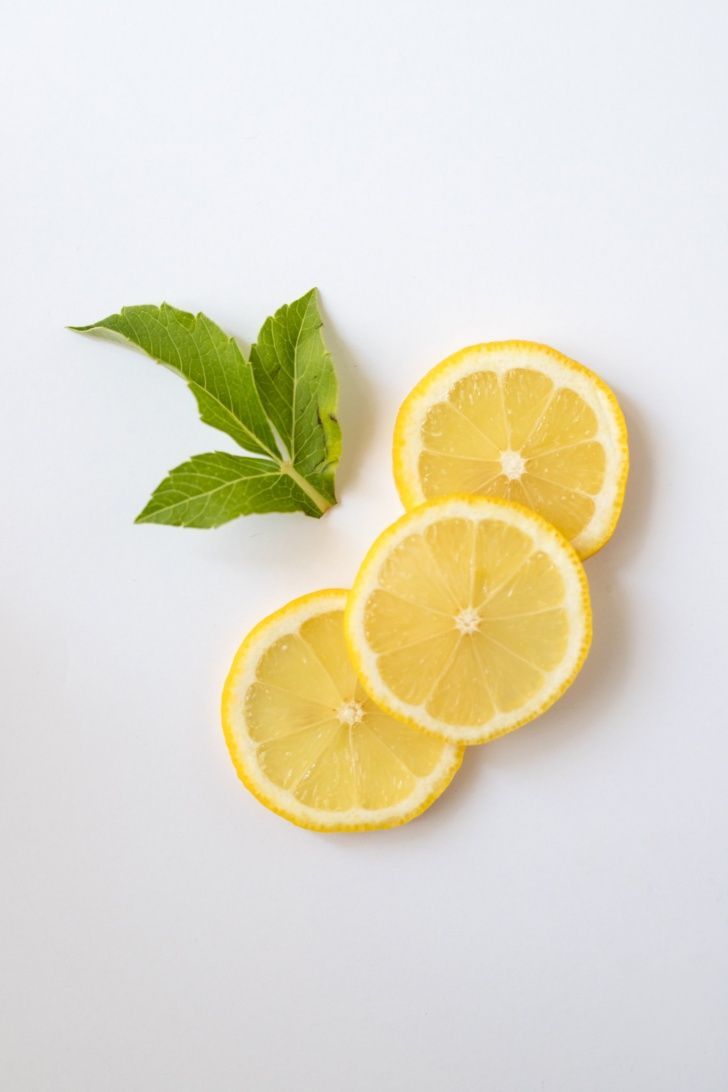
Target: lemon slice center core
x,y
467,620
350,713
512,464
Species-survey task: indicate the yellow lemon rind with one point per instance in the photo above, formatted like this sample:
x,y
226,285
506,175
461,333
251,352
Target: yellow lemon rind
x,y
364,582
270,795
464,362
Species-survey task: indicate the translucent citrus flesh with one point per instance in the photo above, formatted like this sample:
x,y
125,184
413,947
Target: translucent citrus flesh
x,y
467,620
313,736
518,436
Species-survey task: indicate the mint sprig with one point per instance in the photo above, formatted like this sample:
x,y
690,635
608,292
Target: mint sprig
x,y
280,405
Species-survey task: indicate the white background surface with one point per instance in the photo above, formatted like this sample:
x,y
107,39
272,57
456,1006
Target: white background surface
x,y
446,173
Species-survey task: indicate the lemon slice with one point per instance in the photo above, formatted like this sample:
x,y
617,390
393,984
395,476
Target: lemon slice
x,y
308,741
469,617
517,420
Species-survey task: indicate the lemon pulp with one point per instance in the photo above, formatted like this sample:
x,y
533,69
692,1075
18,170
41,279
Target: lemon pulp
x,y
468,617
518,421
308,739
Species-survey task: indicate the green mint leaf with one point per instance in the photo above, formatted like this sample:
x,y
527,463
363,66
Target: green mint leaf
x,y
297,383
280,405
212,489
213,365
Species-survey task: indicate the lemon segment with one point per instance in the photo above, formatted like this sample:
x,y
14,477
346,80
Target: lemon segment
x,y
309,742
520,421
468,618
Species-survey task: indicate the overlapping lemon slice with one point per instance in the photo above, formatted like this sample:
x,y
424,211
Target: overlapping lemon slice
x,y
517,420
469,617
309,742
